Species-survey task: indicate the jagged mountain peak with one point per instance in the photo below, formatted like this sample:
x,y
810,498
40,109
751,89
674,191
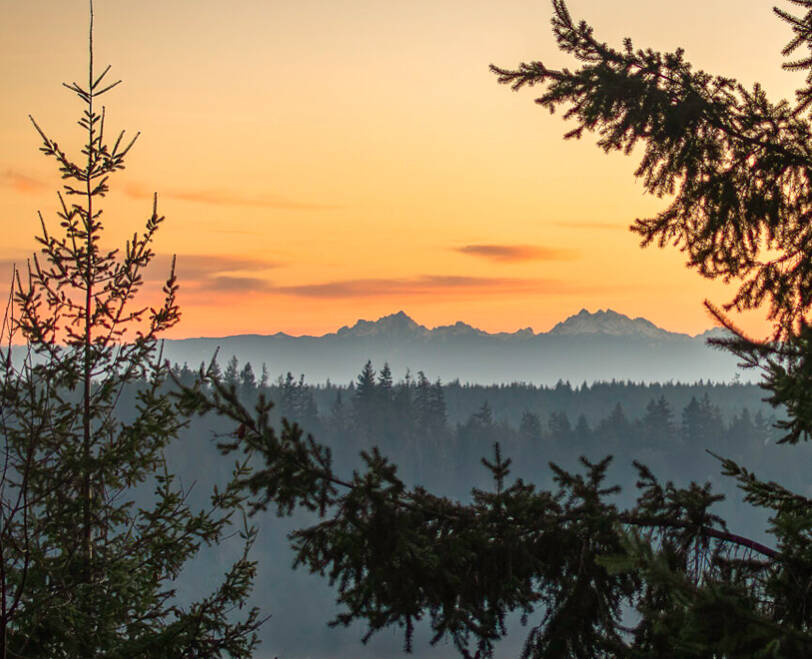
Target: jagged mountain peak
x,y
588,346
716,333
458,329
396,325
607,322
401,326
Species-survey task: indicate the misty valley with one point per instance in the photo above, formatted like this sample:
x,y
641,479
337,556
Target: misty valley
x,y
437,434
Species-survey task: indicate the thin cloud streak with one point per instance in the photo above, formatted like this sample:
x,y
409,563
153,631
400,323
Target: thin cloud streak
x,y
429,285
195,269
28,184
21,182
207,275
226,198
204,267
199,275
237,285
516,253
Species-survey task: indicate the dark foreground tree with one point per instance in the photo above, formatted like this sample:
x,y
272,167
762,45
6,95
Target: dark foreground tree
x,y
665,578
95,530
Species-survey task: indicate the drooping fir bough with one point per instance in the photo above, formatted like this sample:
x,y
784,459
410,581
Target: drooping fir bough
x,y
95,530
568,561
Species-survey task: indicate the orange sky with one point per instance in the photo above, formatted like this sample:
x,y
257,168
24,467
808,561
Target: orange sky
x,y
324,161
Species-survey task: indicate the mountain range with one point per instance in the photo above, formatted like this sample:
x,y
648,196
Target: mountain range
x,y
599,346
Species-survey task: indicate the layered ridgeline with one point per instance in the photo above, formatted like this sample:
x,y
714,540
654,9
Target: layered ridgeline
x,y
590,347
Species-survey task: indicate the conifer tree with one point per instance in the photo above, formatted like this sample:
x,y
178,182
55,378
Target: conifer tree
x,y
248,381
84,570
437,407
385,400
366,389
422,402
702,422
567,560
530,426
385,382
232,373
365,404
657,423
288,395
483,417
582,431
338,415
559,425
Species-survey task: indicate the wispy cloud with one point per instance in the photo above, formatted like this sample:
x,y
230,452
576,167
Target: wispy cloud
x,y
210,279
210,274
515,253
206,267
428,285
200,275
188,266
199,272
237,285
21,182
227,198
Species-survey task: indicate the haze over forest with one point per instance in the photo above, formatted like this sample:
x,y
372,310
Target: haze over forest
x,y
435,400
427,474
437,435
602,345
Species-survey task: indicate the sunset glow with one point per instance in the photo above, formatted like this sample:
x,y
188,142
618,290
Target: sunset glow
x,y
320,162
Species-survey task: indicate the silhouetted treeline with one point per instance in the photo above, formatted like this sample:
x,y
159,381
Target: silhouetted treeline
x,y
433,429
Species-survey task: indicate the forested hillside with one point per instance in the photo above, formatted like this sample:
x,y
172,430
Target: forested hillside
x,y
437,434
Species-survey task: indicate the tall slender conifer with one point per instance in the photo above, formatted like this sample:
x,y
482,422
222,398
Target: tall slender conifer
x,y
96,530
